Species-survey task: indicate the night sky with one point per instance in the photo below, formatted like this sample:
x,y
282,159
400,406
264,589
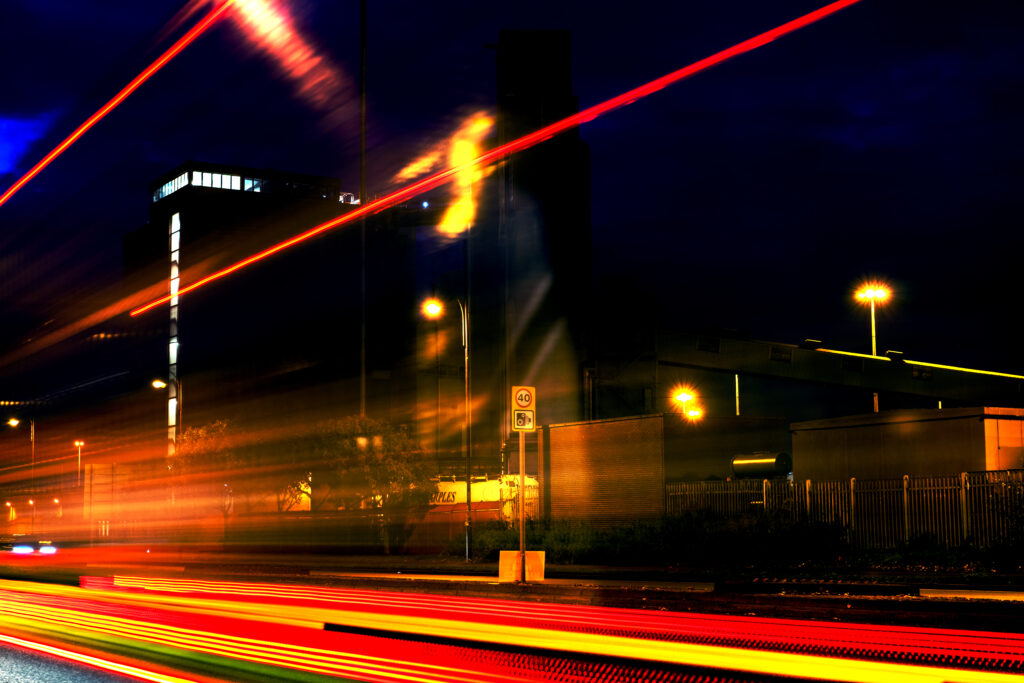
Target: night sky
x,y
884,141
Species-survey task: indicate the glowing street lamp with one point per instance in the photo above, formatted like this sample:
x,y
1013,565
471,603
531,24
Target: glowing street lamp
x,y
683,397
691,412
433,309
871,294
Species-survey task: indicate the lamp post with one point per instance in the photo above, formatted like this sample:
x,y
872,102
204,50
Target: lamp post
x,y
177,398
870,294
79,444
14,422
434,309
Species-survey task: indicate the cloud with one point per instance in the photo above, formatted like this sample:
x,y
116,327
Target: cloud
x,y
18,134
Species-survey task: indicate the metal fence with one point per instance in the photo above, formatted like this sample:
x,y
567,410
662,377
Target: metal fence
x,y
981,508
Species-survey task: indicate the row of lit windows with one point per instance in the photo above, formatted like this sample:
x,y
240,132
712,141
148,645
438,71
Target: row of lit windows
x,y
225,181
171,186
221,181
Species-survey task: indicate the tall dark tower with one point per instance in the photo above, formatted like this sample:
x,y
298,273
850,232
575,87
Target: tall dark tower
x,y
543,228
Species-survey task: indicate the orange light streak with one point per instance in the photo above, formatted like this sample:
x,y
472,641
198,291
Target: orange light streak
x,y
183,42
524,142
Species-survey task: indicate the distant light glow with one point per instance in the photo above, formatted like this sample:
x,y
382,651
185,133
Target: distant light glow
x,y
694,414
502,151
683,397
14,422
183,42
432,308
47,550
23,550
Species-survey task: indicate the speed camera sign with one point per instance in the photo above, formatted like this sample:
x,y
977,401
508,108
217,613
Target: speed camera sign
x,y
524,409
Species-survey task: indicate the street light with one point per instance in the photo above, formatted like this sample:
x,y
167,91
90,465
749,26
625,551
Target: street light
x,y
433,309
871,293
79,444
177,398
14,422
684,396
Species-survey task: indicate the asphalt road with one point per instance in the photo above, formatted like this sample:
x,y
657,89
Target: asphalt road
x,y
19,665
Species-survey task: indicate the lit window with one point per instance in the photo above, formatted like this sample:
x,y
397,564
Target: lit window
x,y
248,184
236,182
172,412
216,180
172,349
207,179
175,240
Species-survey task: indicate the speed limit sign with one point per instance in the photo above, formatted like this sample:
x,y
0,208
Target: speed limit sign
x,y
524,409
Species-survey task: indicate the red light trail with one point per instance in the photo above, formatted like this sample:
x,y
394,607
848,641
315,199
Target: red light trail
x,y
183,42
517,145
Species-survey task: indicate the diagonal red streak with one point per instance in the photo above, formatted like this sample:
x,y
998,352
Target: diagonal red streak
x,y
517,145
127,90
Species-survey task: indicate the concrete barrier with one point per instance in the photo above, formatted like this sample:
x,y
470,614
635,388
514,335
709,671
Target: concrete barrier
x,y
509,568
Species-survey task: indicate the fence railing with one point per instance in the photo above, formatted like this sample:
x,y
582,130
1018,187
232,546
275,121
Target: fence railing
x,y
982,508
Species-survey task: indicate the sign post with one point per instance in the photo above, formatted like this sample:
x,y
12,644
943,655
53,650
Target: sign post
x,y
524,419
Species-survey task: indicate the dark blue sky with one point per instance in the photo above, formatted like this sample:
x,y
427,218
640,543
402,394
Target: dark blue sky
x,y
885,140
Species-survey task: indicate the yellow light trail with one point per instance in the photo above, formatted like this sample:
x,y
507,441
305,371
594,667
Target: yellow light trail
x,y
273,653
326,661
954,368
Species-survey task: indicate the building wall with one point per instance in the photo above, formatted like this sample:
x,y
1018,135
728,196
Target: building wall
x,y
606,471
913,442
703,450
1004,440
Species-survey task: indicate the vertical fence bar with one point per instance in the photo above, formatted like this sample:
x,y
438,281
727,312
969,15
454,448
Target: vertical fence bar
x,y
906,509
853,527
807,499
964,528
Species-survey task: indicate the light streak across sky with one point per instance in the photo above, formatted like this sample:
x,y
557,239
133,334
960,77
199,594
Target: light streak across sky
x,y
269,27
502,151
183,42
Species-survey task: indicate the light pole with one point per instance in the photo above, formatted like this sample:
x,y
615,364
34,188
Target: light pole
x,y
434,309
79,444
870,294
177,398
14,422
